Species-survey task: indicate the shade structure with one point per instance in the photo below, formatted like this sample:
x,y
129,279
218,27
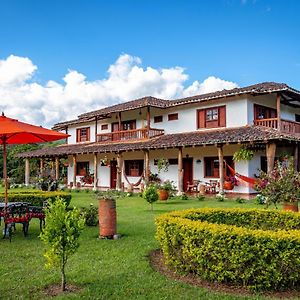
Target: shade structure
x,y
13,131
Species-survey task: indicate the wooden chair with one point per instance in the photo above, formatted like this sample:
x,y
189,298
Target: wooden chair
x,y
193,186
211,186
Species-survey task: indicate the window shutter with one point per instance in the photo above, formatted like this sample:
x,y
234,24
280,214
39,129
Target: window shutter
x,y
201,118
222,116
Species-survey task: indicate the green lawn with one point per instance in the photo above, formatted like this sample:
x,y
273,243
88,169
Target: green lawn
x,y
105,269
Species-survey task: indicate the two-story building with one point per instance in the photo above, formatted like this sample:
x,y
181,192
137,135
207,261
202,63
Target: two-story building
x,y
120,145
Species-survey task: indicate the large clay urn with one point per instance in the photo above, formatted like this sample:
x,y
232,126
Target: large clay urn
x,y
107,218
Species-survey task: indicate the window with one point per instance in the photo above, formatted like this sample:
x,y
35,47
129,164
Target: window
x,y
212,114
82,168
158,119
264,112
297,118
104,126
211,166
83,134
172,117
134,167
212,117
125,125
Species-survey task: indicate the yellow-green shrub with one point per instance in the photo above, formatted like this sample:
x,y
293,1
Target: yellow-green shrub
x,y
259,249
36,198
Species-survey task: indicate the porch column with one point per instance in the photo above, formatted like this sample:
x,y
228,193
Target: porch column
x,y
41,166
66,133
119,120
221,168
119,172
146,166
278,97
180,171
74,170
27,171
296,157
270,152
56,168
95,172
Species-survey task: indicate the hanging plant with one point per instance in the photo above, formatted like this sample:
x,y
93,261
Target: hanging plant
x,y
162,165
244,153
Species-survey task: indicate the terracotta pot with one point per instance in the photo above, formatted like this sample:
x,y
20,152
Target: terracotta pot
x,y
228,185
163,195
290,206
107,218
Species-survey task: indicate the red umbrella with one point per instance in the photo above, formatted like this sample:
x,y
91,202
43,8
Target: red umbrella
x,y
14,132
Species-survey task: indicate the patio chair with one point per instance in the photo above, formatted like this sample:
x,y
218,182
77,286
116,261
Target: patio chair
x,y
211,186
193,186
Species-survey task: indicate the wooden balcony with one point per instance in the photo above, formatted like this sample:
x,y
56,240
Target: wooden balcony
x,y
125,135
285,126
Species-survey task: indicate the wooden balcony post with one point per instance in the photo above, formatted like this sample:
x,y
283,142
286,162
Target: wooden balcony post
x,y
146,166
119,172
74,171
278,97
56,168
27,171
180,171
221,168
120,121
66,133
95,172
270,152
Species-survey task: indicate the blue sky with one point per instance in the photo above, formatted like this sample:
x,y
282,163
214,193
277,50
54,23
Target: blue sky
x,y
243,41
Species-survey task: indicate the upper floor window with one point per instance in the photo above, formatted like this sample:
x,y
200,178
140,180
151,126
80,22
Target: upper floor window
x,y
211,117
104,126
172,117
83,134
125,125
264,112
158,119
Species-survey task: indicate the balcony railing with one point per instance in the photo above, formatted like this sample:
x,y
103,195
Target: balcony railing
x,y
135,134
285,125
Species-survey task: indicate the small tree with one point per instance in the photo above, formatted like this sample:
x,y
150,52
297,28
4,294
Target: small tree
x,y
150,194
61,235
281,185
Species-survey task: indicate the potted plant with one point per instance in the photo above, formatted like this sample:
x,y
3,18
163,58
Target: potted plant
x,y
162,165
244,153
282,185
230,182
165,189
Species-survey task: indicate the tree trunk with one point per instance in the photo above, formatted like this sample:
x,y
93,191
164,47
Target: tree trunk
x,y
63,275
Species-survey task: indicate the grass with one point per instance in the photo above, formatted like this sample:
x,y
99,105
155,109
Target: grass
x,y
104,269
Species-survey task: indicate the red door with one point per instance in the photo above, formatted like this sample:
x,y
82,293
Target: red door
x,y
113,174
187,172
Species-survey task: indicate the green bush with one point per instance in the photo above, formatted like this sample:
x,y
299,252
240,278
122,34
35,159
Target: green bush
x,y
258,249
36,198
91,215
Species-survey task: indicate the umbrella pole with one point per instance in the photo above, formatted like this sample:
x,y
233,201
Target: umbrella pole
x,y
5,172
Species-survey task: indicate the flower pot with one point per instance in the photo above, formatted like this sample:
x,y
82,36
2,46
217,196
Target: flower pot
x,y
290,206
163,195
228,185
107,218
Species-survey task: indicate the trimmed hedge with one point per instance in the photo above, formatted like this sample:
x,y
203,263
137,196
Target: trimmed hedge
x,y
258,249
36,198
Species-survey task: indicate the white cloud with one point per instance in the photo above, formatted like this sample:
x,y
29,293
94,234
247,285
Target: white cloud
x,y
53,102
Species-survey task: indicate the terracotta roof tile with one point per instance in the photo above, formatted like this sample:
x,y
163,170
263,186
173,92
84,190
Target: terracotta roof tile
x,y
243,134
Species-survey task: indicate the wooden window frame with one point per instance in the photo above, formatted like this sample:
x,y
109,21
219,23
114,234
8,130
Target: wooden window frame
x,y
173,117
82,165
208,123
228,159
104,126
83,137
158,119
134,168
116,124
269,111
